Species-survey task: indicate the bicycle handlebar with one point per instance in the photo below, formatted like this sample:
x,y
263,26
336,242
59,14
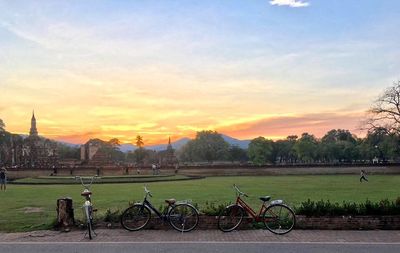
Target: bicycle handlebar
x,y
239,192
87,186
147,191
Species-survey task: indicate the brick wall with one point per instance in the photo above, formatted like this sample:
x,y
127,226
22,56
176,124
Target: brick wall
x,y
302,222
206,170
349,222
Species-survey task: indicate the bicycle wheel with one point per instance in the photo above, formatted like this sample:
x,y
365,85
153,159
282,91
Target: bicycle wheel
x,y
183,217
135,217
230,218
279,219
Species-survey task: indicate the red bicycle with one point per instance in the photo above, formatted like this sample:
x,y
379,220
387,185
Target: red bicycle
x,y
276,216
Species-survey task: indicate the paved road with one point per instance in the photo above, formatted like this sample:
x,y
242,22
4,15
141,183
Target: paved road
x,y
163,241
188,247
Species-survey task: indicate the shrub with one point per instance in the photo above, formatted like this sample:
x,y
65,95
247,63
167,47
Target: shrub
x,y
211,209
112,216
326,208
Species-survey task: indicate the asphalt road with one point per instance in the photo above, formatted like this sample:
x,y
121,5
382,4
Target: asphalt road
x,y
163,241
203,247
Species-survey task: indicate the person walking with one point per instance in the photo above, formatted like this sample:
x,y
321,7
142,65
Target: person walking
x,y
363,176
158,167
3,178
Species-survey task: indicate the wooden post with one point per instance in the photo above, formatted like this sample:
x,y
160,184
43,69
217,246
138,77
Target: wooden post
x,y
65,214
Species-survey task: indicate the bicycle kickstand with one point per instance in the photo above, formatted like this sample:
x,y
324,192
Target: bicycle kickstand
x,y
86,233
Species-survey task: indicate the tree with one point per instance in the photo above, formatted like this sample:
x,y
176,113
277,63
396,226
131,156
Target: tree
x,y
382,144
139,141
210,146
283,150
68,152
385,112
111,149
207,146
115,143
187,153
306,148
116,153
139,155
260,151
338,146
237,154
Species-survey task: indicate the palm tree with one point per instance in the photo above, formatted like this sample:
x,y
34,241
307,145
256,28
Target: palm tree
x,y
139,141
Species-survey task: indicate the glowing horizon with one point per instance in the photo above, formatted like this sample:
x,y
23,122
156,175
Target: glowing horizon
x,y
244,130
117,69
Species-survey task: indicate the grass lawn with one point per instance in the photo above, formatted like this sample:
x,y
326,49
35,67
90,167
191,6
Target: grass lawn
x,y
30,207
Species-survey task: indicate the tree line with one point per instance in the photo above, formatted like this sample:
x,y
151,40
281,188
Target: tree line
x,y
336,146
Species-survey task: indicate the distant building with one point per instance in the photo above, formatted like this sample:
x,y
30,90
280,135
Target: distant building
x,y
34,151
93,153
167,157
33,131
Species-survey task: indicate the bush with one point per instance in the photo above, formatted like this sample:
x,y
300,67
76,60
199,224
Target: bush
x,y
112,216
211,209
326,208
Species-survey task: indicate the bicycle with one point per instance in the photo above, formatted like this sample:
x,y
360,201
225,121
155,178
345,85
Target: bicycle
x,y
182,216
87,206
276,216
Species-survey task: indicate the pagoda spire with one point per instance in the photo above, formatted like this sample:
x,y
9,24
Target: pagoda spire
x,y
33,131
169,146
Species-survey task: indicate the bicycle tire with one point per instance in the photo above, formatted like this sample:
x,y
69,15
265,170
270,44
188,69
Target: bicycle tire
x,y
279,219
183,217
230,218
135,217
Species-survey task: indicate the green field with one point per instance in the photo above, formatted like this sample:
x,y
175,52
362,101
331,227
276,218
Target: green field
x,y
30,207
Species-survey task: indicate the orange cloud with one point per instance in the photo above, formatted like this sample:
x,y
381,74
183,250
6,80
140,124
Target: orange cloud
x,y
77,138
280,127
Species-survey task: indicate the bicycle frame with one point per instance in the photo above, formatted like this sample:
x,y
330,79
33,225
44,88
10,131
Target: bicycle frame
x,y
156,211
275,215
163,216
87,206
249,210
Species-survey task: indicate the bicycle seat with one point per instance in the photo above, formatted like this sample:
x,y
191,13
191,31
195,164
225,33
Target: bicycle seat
x,y
170,201
86,193
265,198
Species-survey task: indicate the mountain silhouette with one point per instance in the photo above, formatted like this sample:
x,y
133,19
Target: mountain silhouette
x,y
126,147
181,142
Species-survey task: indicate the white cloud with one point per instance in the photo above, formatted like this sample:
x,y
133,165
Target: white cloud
x,y
290,3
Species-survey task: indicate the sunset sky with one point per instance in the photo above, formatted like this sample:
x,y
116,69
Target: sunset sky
x,y
165,68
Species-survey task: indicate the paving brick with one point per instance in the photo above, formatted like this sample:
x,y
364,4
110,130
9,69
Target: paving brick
x,y
120,235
